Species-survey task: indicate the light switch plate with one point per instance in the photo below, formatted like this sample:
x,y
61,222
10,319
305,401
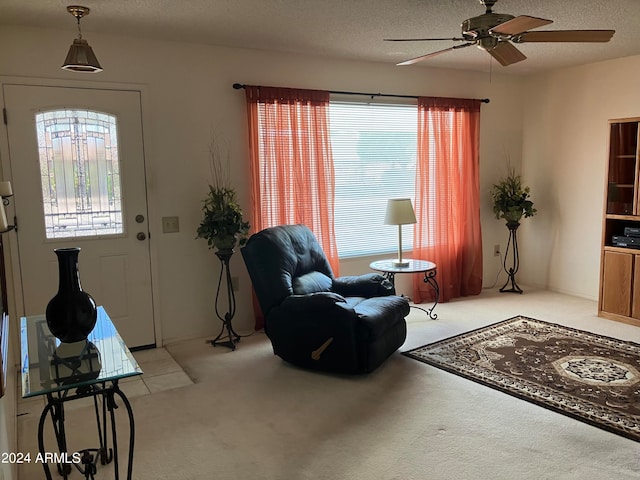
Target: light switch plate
x,y
170,224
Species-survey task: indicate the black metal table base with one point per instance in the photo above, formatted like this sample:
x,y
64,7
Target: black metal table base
x,y
231,338
86,461
429,278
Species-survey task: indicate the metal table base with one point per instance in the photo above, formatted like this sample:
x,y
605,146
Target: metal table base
x,y
86,461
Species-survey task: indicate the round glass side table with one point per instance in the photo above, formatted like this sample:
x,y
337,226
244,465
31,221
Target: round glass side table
x,y
430,270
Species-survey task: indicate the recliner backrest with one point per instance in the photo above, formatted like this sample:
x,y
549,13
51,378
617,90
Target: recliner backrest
x,y
277,256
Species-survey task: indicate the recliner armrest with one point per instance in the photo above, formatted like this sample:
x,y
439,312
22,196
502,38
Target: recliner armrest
x,y
367,285
312,301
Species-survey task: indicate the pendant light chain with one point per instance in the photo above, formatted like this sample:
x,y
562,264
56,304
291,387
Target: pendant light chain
x,y
79,16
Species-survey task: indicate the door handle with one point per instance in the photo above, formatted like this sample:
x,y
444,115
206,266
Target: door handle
x,y
141,236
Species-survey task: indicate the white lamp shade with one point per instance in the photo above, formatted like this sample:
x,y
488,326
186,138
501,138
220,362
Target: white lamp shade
x,y
3,218
5,189
399,212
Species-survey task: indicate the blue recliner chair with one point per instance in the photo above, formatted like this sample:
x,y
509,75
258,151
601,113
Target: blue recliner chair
x,y
314,320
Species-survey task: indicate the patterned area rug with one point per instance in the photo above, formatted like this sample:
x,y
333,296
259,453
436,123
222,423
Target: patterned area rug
x,y
592,378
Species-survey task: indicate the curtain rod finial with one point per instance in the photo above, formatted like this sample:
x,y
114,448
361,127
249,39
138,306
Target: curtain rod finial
x,y
238,86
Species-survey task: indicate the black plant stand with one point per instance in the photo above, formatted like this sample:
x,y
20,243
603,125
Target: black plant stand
x,y
515,260
231,338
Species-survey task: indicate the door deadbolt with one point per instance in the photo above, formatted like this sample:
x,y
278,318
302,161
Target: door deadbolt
x,y
141,236
139,218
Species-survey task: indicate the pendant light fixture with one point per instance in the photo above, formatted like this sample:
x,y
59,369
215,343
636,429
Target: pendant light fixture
x,y
80,57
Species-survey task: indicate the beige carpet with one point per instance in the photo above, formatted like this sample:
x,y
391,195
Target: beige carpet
x,y
251,416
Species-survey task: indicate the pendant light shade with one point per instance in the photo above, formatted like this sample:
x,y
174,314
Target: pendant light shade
x,y
81,57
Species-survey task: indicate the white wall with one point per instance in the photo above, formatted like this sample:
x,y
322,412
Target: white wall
x,y
565,141
187,93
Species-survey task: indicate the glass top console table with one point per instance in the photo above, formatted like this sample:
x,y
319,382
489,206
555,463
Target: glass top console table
x,y
69,371
430,270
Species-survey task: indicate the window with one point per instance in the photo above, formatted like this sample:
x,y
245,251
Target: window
x,y
375,152
374,155
80,172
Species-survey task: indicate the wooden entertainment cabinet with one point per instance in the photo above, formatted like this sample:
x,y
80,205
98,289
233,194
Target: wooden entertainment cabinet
x,y
620,263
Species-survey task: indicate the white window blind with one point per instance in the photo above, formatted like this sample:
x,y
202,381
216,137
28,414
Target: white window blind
x,y
374,154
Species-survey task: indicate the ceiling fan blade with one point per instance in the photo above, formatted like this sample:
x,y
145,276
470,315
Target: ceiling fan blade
x,y
506,54
565,36
518,25
433,54
455,39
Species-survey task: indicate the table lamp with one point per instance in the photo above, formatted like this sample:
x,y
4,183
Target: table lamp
x,y
399,212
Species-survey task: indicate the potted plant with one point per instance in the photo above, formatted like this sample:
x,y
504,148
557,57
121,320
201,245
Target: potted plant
x,y
511,200
222,223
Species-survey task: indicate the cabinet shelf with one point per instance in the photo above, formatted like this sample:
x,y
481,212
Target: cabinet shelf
x,y
613,248
617,216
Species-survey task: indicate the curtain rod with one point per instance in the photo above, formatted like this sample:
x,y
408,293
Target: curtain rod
x,y
238,86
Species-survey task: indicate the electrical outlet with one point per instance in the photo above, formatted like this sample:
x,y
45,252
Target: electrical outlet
x,y
496,250
170,224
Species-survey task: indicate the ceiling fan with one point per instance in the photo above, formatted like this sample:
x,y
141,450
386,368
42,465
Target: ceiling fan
x,y
497,32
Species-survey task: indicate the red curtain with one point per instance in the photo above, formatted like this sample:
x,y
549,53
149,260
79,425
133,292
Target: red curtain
x,y
447,202
292,172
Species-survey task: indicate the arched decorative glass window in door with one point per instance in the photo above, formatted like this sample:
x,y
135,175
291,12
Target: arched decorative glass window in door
x,y
80,172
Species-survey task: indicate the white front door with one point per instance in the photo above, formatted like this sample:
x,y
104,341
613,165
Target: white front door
x,y
77,170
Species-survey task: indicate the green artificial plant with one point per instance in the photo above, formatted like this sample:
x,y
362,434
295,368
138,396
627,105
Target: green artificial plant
x,y
222,222
511,200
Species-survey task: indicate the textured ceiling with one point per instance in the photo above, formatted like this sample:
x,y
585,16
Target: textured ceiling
x,y
350,29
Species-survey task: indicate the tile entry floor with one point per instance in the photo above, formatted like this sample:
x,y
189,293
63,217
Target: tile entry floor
x,y
161,372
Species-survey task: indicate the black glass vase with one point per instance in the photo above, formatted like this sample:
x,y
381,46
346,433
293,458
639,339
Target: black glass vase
x,y
71,313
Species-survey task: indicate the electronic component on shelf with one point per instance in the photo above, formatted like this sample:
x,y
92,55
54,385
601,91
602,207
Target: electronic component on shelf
x,y
632,231
625,241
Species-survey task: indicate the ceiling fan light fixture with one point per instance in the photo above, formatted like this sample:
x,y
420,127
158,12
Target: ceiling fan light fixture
x,y
487,43
80,57
496,33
